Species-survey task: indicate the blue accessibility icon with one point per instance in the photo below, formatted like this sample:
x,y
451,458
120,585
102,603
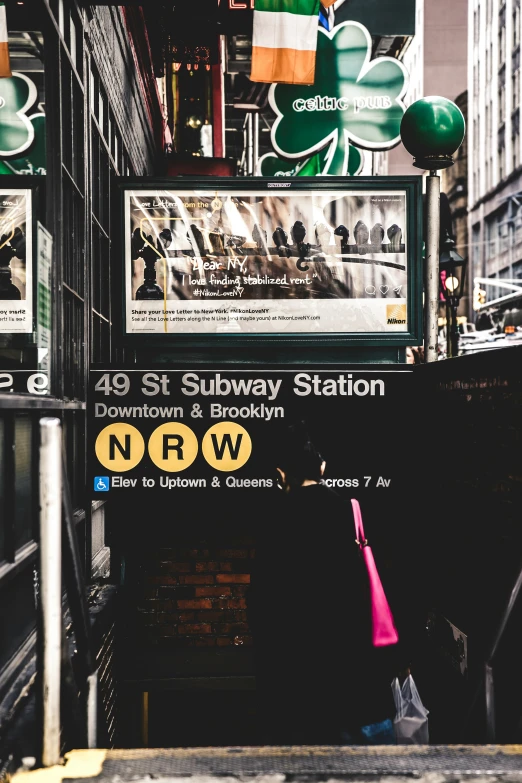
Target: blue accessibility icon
x,y
102,483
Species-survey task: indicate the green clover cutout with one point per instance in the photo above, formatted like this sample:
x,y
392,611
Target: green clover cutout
x,y
17,95
271,165
353,99
32,161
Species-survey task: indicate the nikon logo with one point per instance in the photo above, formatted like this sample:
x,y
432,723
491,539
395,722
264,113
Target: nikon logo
x,y
326,103
396,314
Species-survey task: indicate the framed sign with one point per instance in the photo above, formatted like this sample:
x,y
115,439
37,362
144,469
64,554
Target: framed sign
x,y
307,258
201,432
16,260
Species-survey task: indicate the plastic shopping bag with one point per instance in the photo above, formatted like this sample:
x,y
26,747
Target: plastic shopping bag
x,y
411,720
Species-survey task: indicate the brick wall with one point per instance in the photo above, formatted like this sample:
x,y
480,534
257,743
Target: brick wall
x,y
195,595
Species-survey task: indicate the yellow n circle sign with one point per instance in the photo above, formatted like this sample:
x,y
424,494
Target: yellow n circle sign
x,y
120,447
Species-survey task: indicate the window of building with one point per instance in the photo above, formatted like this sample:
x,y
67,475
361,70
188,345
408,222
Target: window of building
x,y
502,38
515,79
75,44
516,24
502,95
476,250
109,158
515,138
493,291
518,227
491,237
501,154
503,234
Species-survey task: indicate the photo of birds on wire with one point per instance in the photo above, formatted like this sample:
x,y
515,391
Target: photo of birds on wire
x,y
253,245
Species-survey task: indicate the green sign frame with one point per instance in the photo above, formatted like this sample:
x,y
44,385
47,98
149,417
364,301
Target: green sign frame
x,y
410,186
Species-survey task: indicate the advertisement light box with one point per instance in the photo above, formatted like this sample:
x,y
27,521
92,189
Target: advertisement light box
x,y
330,257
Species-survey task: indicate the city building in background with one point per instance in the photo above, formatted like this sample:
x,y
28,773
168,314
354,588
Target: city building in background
x,y
494,153
436,61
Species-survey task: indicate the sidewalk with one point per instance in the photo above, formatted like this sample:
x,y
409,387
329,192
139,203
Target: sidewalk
x,y
432,764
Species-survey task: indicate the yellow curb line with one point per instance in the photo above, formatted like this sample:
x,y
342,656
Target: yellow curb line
x,y
78,764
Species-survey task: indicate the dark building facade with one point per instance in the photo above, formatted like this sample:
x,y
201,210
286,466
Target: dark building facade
x,y
95,112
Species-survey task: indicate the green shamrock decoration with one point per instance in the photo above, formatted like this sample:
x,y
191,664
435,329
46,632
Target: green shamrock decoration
x,y
353,99
17,95
271,165
32,161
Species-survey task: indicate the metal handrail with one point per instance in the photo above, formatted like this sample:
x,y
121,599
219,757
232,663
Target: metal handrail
x,y
488,664
76,593
50,478
55,501
487,680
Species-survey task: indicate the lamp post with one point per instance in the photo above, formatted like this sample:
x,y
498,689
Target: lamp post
x,y
452,279
432,129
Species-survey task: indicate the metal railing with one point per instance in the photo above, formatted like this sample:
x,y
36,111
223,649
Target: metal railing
x,y
56,517
486,684
489,681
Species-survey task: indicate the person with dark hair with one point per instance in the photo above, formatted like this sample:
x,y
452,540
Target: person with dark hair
x,y
317,677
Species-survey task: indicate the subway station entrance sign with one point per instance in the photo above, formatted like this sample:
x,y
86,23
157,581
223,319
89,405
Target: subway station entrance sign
x,y
176,431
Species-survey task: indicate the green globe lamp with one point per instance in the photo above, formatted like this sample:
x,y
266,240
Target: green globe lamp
x,y
432,130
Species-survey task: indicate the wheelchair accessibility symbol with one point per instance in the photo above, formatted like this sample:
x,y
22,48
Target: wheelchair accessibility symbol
x,y
101,484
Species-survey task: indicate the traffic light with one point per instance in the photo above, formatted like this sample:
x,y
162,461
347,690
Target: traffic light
x,y
479,297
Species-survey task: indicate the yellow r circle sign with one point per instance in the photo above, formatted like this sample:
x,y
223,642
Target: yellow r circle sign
x,y
173,447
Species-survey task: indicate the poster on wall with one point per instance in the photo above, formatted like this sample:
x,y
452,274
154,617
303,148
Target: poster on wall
x,y
268,260
16,261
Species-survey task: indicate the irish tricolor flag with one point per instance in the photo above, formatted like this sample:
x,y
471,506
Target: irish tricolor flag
x,y
284,40
5,66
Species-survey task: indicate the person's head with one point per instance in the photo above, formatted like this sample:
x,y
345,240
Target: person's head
x,y
298,462
415,354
